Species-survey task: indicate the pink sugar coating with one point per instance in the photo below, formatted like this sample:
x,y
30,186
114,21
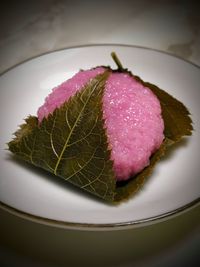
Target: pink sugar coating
x,y
62,93
134,124
132,114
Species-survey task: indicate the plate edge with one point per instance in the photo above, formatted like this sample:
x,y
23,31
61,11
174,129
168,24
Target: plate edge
x,y
99,227
96,45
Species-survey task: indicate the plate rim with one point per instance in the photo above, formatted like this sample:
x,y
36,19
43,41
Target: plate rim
x,y
96,226
98,45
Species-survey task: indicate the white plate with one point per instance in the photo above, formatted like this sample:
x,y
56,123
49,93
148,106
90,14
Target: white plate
x,y
34,194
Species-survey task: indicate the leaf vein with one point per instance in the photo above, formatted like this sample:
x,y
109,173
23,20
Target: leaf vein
x,y
72,129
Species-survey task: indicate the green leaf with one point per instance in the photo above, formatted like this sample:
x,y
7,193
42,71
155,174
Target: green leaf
x,y
175,114
72,143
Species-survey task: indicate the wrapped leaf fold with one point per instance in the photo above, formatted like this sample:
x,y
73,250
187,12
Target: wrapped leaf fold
x,y
72,143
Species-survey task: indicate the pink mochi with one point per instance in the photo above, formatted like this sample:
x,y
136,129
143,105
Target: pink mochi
x,y
132,114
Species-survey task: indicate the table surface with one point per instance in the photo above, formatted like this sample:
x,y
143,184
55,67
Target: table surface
x,y
31,28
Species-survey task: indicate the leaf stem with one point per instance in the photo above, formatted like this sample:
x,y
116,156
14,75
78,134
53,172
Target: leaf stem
x,y
117,61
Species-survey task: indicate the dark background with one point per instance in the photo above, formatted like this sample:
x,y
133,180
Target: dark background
x,y
30,28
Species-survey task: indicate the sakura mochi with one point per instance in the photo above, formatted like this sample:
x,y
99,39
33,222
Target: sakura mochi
x,y
132,115
102,130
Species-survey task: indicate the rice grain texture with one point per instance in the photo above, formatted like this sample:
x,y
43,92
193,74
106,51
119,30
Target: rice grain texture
x,y
132,114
